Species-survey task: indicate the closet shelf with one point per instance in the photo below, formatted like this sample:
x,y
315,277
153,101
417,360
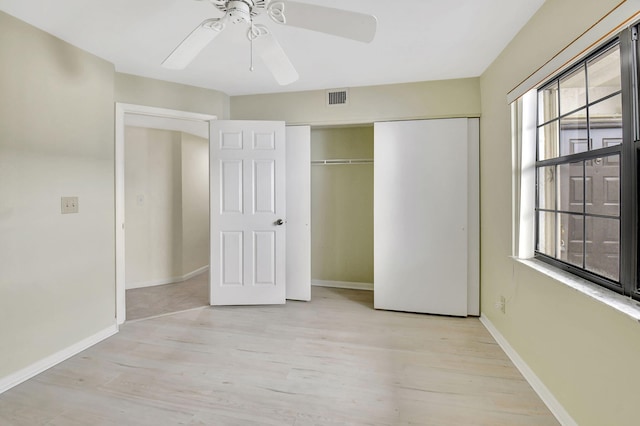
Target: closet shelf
x,y
338,161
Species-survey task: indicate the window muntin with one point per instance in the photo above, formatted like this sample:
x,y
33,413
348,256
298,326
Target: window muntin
x,y
578,168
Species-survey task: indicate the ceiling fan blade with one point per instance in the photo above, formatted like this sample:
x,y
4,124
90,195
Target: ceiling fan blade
x,y
193,44
342,23
274,57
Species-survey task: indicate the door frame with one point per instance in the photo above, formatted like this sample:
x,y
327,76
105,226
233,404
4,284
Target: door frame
x,y
121,109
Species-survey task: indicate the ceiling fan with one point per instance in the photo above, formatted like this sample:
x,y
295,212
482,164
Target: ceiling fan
x,y
338,22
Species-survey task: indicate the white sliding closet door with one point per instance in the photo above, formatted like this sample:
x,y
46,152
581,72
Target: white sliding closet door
x,y
420,216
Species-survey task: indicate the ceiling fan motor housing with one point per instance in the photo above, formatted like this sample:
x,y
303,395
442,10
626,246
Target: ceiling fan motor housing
x,y
239,11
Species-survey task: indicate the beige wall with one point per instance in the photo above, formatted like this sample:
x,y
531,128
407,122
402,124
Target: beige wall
x,y
166,205
195,203
57,272
137,90
342,206
153,206
57,280
431,99
584,352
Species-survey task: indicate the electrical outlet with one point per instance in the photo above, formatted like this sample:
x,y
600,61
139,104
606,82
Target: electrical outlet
x,y
69,205
503,304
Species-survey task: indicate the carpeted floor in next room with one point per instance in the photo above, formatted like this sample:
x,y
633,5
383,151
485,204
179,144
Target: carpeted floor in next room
x,y
164,299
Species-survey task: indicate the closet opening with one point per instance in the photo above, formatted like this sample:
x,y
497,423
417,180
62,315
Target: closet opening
x,y
423,192
342,207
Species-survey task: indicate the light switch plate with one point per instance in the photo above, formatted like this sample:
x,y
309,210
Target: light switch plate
x,y
69,205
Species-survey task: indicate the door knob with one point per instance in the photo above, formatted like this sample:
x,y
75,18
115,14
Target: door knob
x,y
279,222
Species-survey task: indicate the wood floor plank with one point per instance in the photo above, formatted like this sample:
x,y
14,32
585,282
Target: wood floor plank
x,y
332,361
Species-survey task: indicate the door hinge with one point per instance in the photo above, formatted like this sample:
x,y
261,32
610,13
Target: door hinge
x,y
634,33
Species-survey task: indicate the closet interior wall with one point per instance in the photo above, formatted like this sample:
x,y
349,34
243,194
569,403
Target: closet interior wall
x,y
342,207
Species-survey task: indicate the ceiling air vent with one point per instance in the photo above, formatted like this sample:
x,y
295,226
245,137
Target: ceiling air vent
x,y
337,97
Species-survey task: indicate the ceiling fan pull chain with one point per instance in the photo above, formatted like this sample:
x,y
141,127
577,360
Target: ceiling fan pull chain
x,y
254,32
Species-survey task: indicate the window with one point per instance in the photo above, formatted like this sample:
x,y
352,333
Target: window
x,y
586,159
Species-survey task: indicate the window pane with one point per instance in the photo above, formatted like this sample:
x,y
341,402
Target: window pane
x,y
571,187
604,74
548,145
605,121
579,153
603,247
547,233
548,103
603,185
573,133
547,188
573,91
571,239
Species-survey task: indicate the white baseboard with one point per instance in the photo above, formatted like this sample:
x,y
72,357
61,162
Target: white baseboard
x,y
343,284
538,386
38,367
194,273
169,280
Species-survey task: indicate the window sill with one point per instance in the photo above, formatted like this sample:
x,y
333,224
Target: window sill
x,y
621,303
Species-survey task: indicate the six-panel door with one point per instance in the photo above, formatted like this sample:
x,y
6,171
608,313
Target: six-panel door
x,y
247,174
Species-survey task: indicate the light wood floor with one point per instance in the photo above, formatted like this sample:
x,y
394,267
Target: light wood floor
x,y
163,299
332,361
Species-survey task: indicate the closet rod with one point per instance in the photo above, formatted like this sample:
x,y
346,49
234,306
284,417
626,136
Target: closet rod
x,y
342,161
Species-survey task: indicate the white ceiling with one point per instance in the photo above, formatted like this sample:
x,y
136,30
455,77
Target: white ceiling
x,y
417,40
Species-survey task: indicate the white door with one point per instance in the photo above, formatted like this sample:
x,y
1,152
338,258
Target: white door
x,y
298,212
247,196
420,216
